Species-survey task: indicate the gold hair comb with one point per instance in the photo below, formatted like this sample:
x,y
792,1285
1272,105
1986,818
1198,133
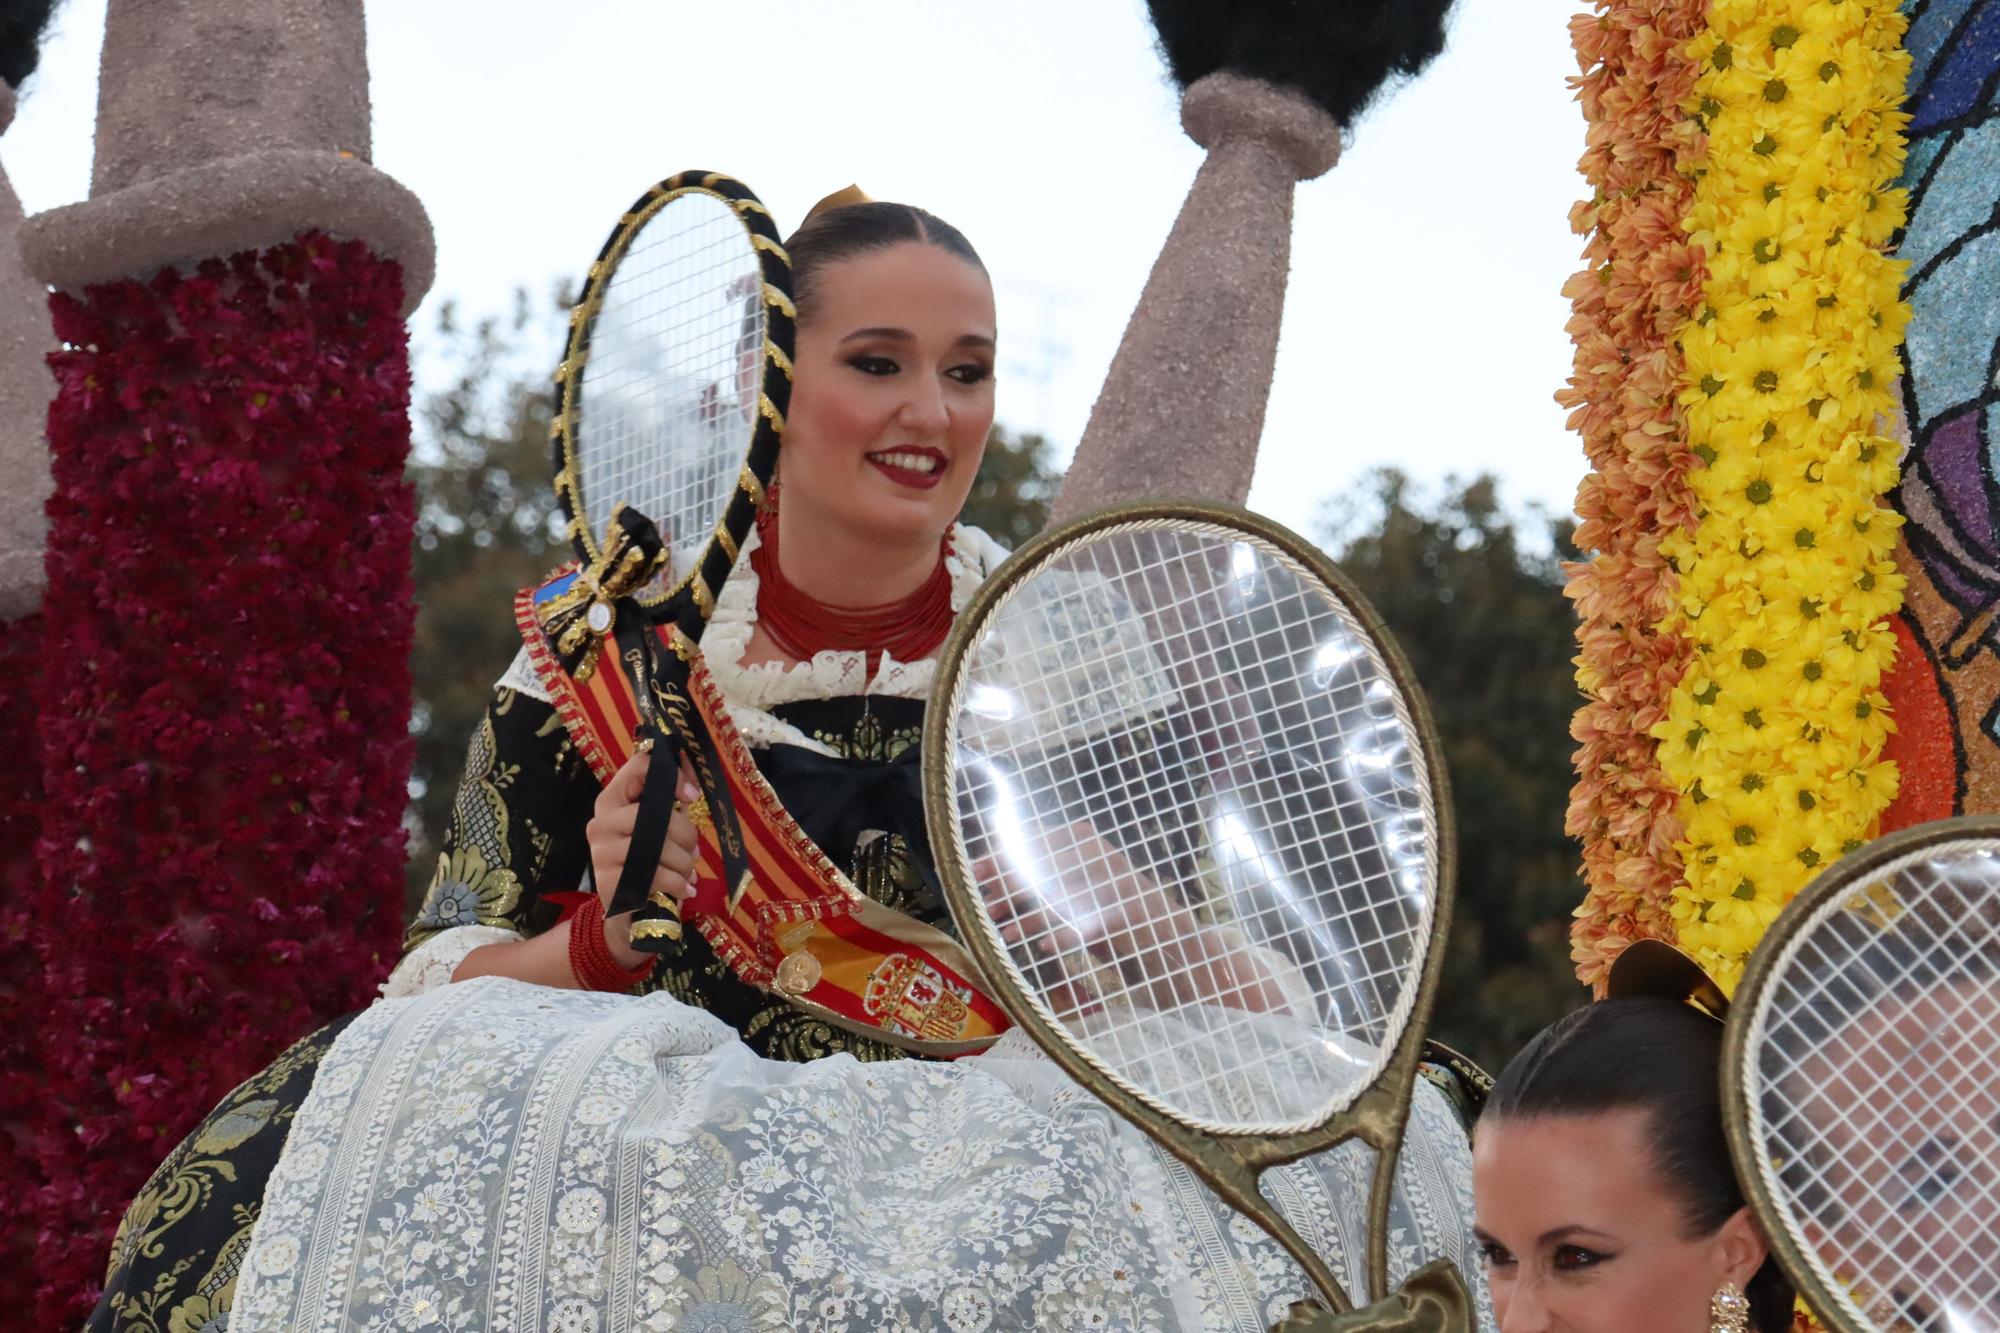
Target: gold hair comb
x,y
1654,967
841,198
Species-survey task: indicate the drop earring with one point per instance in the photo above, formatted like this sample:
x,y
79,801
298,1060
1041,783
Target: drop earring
x,y
1728,1310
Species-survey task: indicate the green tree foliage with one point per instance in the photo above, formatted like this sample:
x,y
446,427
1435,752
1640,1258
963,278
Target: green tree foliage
x,y
1017,481
488,525
1477,605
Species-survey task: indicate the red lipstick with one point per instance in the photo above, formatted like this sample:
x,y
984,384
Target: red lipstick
x,y
916,466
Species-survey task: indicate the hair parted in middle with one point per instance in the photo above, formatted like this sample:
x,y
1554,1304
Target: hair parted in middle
x,y
827,237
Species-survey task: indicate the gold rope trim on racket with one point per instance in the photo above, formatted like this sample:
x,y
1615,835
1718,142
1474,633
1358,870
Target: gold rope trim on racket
x,y
780,313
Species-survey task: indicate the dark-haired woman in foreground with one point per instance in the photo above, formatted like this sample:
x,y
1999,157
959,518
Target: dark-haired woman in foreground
x,y
1604,1197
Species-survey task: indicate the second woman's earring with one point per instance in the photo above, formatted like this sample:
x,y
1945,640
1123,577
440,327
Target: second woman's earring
x,y
1728,1310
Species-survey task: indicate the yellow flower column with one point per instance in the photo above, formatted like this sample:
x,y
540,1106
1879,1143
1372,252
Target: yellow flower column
x,y
1774,735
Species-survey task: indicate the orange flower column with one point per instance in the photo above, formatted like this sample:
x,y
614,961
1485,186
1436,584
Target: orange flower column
x,y
1643,281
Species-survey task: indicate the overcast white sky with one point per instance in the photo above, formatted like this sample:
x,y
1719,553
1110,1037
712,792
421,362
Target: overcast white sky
x,y
1424,326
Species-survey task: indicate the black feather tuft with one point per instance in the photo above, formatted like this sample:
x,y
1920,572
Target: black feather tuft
x,y
22,23
1340,53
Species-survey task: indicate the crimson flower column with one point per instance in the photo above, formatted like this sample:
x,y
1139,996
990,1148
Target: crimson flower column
x,y
224,698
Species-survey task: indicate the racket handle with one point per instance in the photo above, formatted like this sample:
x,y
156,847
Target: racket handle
x,y
656,921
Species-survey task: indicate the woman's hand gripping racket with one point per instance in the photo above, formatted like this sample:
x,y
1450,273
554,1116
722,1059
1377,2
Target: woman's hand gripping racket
x,y
671,400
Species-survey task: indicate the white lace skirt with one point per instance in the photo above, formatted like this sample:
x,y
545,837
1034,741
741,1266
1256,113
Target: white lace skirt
x,y
498,1156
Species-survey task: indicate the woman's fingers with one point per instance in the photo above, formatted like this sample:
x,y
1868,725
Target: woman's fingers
x,y
619,825
615,817
671,883
629,783
995,887
625,785
681,832
614,824
678,858
1021,917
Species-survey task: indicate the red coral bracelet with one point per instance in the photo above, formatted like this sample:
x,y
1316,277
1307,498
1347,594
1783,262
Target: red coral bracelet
x,y
590,956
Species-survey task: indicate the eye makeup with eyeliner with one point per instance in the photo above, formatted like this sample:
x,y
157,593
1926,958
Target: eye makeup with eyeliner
x,y
1576,1258
1565,1256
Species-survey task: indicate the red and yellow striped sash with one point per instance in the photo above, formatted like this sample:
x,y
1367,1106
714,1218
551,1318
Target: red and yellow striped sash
x,y
800,928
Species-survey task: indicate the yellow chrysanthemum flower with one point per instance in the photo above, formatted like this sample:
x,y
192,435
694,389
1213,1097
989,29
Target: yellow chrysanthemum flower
x,y
1774,734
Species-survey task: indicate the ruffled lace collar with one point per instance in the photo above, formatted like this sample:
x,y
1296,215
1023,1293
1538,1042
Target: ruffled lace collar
x,y
753,689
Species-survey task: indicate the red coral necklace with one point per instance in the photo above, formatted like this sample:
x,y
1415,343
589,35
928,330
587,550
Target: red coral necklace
x,y
909,629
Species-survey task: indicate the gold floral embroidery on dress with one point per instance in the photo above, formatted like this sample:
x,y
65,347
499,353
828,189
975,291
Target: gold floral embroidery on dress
x,y
479,812
172,1195
724,1296
207,1309
870,740
473,884
783,1033
466,891
569,762
540,845
683,978
771,1027
188,1183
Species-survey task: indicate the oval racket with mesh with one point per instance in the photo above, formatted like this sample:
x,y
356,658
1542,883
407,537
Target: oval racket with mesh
x,y
673,385
1862,1083
670,405
1187,810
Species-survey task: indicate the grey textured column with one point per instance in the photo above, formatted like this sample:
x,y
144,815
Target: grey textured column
x,y
25,390
226,125
1183,406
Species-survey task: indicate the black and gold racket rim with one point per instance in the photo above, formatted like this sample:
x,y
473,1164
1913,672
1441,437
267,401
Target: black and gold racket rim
x,y
689,598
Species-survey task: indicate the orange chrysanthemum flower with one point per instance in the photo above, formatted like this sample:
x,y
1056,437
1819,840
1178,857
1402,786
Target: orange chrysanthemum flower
x,y
1642,282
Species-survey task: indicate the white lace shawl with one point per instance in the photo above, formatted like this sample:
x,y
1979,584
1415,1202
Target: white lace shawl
x,y
495,1155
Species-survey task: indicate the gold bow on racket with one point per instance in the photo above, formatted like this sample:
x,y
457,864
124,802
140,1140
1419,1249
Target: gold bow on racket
x,y
582,618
